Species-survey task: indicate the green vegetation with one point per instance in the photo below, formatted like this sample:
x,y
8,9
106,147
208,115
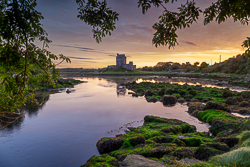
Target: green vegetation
x,y
23,65
188,92
165,140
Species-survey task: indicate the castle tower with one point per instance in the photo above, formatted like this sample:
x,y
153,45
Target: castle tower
x,y
120,60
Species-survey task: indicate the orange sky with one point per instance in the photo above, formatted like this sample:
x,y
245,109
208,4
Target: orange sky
x,y
133,36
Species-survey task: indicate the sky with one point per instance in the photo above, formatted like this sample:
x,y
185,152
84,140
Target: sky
x,y
133,36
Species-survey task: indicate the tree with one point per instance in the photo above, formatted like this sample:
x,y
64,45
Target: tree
x,y
196,63
98,15
23,64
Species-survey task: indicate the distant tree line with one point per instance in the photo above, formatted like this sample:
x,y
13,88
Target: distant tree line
x,y
238,64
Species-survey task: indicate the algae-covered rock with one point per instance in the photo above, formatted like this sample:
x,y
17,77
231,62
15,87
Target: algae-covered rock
x,y
139,161
204,152
194,108
152,99
219,146
231,101
227,94
244,104
169,100
230,141
108,144
216,105
184,152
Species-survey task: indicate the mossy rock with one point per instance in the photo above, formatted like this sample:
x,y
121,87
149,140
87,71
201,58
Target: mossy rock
x,y
244,104
204,152
231,101
169,100
108,144
184,152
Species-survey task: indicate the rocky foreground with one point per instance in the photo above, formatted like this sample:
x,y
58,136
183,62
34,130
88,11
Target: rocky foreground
x,y
171,142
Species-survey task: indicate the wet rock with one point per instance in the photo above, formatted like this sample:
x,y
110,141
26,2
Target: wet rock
x,y
137,140
161,92
227,94
198,87
163,139
220,126
231,101
169,92
149,93
244,104
239,98
194,108
244,111
230,141
204,152
152,99
216,105
108,144
192,92
139,161
181,100
219,146
184,153
188,161
169,100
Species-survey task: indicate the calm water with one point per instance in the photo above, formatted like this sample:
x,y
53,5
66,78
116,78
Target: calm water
x,y
65,130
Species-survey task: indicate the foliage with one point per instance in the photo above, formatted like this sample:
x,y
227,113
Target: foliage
x,y
103,19
23,64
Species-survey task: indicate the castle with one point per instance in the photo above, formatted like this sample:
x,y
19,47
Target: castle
x,y
121,62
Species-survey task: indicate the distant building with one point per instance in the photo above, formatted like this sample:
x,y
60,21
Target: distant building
x,y
121,62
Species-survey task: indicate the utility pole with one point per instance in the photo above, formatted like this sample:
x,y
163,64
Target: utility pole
x,y
220,59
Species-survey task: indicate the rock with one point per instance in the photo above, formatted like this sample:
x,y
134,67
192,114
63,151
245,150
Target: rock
x,y
226,94
152,99
149,93
169,100
231,101
137,140
68,91
181,100
230,141
169,91
161,92
184,152
219,146
194,108
244,104
204,152
216,105
139,161
108,144
188,161
192,92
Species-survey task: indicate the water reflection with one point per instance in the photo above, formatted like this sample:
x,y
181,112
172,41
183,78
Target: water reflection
x,y
121,90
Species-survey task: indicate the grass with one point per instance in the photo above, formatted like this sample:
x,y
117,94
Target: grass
x,y
236,158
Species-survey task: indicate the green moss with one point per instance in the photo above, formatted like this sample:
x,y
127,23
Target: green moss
x,y
210,115
101,161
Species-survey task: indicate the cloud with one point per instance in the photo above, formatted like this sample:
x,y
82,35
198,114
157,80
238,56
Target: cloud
x,y
83,49
112,55
190,43
90,61
79,58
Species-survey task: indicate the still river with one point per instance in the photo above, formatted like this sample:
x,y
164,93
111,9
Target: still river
x,y
64,131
